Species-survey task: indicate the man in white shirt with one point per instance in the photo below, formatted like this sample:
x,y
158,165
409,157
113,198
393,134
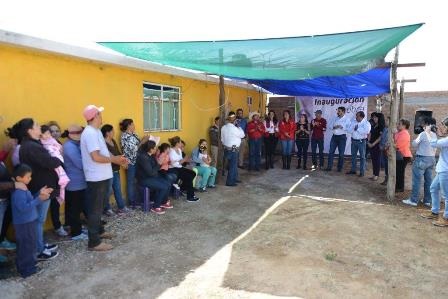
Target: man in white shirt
x,y
359,128
339,125
231,141
440,182
96,163
423,165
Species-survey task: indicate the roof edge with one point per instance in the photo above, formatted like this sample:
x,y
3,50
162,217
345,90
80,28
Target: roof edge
x,y
53,47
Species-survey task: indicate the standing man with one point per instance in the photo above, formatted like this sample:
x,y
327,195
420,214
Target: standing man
x,y
359,128
231,137
423,165
319,126
96,162
255,131
241,122
214,141
440,182
339,126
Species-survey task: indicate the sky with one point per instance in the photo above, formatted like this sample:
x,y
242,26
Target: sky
x,y
84,22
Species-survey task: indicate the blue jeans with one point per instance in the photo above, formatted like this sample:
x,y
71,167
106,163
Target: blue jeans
x,y
358,146
314,144
287,147
161,187
130,185
115,185
42,211
208,175
422,167
439,183
232,160
337,141
254,153
3,206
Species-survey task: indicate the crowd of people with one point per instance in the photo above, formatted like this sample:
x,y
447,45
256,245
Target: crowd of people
x,y
84,171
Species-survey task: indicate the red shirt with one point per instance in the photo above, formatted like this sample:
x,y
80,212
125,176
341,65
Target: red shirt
x,y
319,126
255,129
287,127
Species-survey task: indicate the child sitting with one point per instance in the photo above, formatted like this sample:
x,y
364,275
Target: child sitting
x,y
24,212
55,150
164,161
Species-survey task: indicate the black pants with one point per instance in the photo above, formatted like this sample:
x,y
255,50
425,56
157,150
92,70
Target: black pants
x,y
186,176
375,154
7,219
270,143
54,211
96,193
302,148
74,201
401,168
26,240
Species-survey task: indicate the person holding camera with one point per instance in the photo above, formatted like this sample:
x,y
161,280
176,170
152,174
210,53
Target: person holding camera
x,y
440,182
423,164
231,136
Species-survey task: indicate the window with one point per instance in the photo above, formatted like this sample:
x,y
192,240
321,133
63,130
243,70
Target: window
x,y
161,107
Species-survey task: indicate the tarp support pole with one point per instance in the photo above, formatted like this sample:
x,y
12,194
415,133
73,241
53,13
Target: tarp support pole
x,y
392,128
222,122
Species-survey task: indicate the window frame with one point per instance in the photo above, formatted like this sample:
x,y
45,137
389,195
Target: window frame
x,y
161,101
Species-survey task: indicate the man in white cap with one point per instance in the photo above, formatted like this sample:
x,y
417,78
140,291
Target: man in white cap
x,y
96,162
231,140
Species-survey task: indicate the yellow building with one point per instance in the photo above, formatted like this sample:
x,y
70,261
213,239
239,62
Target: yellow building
x,y
48,80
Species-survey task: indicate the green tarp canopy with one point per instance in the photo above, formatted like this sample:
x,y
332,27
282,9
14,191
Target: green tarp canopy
x,y
293,58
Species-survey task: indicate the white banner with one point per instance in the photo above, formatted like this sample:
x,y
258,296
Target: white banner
x,y
329,106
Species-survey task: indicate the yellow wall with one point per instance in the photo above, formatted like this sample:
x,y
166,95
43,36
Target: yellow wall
x,y
53,87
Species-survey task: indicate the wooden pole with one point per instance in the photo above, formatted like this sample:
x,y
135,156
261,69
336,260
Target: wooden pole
x,y
401,113
222,121
392,128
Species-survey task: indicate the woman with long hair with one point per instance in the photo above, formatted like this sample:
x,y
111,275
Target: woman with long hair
x,y
378,125
403,144
286,129
270,138
303,130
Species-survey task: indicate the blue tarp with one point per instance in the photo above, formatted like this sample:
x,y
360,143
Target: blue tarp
x,y
370,83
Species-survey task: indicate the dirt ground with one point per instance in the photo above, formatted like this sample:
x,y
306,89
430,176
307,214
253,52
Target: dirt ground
x,y
296,233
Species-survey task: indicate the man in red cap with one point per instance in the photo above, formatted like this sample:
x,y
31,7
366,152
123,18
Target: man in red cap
x,y
96,162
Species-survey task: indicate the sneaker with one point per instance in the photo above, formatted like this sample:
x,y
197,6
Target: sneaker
x,y
409,202
176,186
47,255
158,211
429,215
193,199
51,247
202,190
167,205
3,259
7,245
61,232
441,222
428,204
84,230
102,247
211,186
123,211
109,213
80,237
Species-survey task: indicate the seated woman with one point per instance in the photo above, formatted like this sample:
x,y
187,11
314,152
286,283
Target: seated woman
x,y
185,175
201,161
147,174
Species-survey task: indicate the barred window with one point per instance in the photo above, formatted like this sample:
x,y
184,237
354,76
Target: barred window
x,y
161,107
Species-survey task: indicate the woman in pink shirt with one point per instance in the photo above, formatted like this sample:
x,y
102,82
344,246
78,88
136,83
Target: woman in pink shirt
x,y
403,144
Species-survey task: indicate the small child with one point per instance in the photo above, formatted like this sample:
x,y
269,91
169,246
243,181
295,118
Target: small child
x,y
24,212
164,161
55,150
